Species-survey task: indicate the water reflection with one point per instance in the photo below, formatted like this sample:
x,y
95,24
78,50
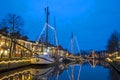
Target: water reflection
x,y
18,74
85,70
72,73
41,73
114,75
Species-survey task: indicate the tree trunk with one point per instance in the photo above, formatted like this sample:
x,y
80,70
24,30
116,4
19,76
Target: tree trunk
x,y
10,49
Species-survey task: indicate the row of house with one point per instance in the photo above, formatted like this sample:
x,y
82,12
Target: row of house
x,y
21,48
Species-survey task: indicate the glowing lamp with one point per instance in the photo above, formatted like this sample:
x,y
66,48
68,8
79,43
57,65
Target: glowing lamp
x,y
1,51
5,52
45,53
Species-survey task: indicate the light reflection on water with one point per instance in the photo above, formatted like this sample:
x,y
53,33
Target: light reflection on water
x,y
89,70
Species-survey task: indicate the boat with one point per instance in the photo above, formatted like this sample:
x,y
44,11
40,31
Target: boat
x,y
44,57
71,57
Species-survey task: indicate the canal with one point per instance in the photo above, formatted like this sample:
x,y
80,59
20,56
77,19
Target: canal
x,y
87,70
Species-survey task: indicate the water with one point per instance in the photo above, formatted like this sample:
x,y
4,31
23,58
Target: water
x,y
90,70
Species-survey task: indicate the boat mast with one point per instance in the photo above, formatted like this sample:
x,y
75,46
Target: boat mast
x,y
47,16
72,44
54,30
55,36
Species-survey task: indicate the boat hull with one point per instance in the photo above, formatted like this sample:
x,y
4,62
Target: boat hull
x,y
41,61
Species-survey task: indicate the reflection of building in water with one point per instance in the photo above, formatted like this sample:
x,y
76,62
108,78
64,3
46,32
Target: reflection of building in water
x,y
92,62
51,73
27,74
34,73
20,75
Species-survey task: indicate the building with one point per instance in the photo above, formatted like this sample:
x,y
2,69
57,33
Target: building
x,y
22,49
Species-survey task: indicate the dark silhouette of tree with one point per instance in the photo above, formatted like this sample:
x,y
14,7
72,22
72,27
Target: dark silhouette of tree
x,y
60,47
78,54
13,25
4,31
3,28
113,42
24,38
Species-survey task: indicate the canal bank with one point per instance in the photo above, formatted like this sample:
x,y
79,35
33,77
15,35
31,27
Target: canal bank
x,y
8,65
115,63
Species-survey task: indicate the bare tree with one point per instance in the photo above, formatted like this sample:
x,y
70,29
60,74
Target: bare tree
x,y
13,24
113,42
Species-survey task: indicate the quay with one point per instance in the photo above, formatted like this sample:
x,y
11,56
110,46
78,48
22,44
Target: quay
x,y
114,62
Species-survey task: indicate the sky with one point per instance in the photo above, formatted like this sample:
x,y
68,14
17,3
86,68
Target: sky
x,y
91,21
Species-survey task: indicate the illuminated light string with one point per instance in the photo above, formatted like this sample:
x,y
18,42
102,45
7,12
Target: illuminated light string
x,y
77,45
55,33
41,32
69,44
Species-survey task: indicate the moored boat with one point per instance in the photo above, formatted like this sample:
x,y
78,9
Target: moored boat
x,y
42,59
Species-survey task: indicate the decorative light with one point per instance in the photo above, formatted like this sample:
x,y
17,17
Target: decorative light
x,y
45,53
27,51
1,43
6,52
19,52
1,51
48,50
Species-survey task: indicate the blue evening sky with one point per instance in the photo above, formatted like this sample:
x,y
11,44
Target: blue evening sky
x,y
92,21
